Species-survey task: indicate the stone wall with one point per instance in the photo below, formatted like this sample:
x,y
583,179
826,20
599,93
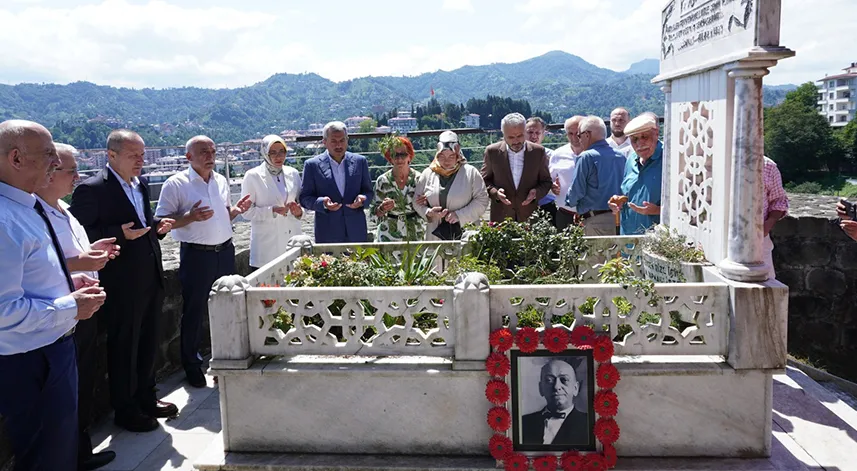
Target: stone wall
x,y
818,262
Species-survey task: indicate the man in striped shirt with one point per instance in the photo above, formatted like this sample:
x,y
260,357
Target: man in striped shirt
x,y
775,208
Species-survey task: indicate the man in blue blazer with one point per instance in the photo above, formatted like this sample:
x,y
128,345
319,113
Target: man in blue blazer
x,y
336,185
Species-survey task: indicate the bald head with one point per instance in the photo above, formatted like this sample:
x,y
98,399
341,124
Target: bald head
x,y
618,120
29,155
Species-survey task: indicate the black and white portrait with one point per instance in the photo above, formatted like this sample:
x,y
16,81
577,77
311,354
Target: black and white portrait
x,y
552,406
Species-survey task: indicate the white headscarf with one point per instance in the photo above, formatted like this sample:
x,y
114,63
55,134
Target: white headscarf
x,y
267,142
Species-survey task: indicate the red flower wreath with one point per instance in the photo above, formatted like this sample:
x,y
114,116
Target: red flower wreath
x,y
607,376
544,463
610,455
498,364
501,339
602,349
499,419
501,447
497,392
555,339
595,462
527,339
572,461
606,403
606,430
517,462
582,337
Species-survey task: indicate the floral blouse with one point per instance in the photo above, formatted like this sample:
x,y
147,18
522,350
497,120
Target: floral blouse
x,y
402,223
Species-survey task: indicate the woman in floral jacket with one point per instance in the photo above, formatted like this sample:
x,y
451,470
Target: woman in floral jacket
x,y
392,210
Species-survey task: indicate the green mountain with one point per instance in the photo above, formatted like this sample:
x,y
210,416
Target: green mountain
x,y
556,82
646,67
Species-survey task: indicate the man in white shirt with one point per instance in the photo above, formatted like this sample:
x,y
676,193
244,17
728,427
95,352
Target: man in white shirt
x,y
562,167
619,118
198,200
80,257
40,304
535,130
559,422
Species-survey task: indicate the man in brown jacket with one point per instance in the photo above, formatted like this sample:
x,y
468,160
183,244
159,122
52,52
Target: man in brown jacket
x,y
515,172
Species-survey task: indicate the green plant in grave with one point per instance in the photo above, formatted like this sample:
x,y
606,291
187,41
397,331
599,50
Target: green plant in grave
x,y
672,245
416,267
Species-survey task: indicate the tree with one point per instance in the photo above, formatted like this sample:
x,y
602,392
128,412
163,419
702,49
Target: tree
x,y
847,137
806,95
367,125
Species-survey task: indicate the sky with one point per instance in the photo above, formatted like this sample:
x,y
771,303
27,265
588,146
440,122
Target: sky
x,y
225,43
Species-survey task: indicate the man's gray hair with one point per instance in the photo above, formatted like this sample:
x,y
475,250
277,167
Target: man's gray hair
x,y
513,119
70,149
536,119
595,125
574,119
118,137
190,142
334,126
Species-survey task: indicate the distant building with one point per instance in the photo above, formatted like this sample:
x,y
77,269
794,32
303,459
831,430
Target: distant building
x,y
314,129
353,123
837,96
471,120
99,158
384,129
151,156
403,123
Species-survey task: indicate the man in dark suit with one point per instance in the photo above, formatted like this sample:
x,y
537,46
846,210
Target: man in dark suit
x,y
337,186
114,203
558,423
515,172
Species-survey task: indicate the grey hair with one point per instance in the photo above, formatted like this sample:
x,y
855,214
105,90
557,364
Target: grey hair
x,y
574,119
594,124
513,119
118,137
334,126
66,148
190,142
540,121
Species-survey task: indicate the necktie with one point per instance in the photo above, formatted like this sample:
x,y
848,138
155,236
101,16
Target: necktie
x,y
56,242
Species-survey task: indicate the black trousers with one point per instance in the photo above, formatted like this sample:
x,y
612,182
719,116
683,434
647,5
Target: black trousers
x,y
550,208
38,402
85,336
199,269
132,336
563,219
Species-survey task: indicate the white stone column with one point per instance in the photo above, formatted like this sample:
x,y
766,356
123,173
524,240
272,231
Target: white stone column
x,y
471,303
666,171
744,260
230,328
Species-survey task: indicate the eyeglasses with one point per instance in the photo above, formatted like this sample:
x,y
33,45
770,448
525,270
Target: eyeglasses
x,y
401,155
277,153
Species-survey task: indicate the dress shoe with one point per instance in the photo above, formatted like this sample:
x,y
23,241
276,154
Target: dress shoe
x,y
137,422
97,460
161,409
195,378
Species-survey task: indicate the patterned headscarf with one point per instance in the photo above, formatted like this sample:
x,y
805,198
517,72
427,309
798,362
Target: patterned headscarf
x,y
267,142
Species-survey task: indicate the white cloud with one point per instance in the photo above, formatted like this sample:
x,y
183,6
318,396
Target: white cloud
x,y
457,5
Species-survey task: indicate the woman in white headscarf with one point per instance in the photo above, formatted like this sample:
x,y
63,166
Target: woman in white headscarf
x,y
275,216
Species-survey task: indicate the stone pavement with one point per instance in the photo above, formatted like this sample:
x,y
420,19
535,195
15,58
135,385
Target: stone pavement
x,y
813,429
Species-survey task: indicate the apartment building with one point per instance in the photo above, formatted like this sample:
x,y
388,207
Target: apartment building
x,y
837,96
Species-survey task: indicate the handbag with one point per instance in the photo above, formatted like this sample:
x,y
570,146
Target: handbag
x,y
447,231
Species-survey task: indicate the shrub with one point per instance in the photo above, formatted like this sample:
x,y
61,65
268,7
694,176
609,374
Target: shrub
x,y
672,246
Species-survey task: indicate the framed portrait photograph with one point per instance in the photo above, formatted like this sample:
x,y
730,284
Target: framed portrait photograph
x,y
552,408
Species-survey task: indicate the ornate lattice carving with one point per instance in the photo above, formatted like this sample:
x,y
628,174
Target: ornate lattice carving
x,y
601,249
695,152
352,321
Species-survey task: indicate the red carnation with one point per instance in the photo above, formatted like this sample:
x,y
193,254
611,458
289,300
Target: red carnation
x,y
606,403
499,419
517,462
544,463
323,264
268,302
602,349
501,339
555,339
527,339
582,336
610,456
498,364
606,430
497,392
571,461
595,462
500,446
607,376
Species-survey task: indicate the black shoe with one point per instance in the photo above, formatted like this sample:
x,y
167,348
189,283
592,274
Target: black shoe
x,y
161,409
136,422
195,378
97,460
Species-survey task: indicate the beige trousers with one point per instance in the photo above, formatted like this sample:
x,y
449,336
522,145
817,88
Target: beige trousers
x,y
601,225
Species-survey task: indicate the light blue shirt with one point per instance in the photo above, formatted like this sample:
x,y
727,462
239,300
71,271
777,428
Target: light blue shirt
x,y
597,177
338,170
134,194
36,307
641,183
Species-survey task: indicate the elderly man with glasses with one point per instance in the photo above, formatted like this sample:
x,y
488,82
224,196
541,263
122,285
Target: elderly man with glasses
x,y
597,177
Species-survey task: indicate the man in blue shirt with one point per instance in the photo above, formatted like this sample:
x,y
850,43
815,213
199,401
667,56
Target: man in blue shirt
x,y
597,176
642,181
40,304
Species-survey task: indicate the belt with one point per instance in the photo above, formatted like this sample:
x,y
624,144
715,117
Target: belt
x,y
208,248
567,211
592,213
66,335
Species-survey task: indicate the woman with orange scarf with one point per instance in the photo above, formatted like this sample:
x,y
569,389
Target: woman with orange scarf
x,y
450,193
